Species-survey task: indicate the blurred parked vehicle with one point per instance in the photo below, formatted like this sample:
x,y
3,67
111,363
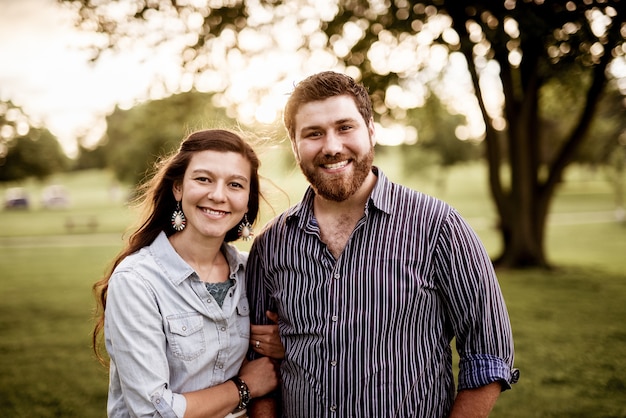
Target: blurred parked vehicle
x,y
16,198
55,197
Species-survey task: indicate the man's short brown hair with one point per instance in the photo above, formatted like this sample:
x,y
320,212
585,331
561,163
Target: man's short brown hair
x,y
322,86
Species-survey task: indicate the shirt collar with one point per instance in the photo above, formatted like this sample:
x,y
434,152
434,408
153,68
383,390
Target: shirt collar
x,y
380,198
177,269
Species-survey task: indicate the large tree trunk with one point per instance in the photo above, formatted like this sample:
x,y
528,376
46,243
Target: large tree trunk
x,y
521,194
524,205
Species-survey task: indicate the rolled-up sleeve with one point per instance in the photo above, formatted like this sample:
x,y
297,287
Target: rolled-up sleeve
x,y
480,370
476,308
136,345
168,404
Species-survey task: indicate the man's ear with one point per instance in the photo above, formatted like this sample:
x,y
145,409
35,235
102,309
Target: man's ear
x,y
295,150
372,130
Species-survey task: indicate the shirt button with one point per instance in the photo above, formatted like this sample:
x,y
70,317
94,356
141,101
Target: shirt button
x,y
223,329
335,318
333,363
184,328
337,276
333,408
208,301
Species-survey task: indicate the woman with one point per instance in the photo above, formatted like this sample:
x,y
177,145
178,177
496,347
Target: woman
x,y
174,309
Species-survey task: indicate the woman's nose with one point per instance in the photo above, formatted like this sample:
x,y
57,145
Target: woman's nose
x,y
217,193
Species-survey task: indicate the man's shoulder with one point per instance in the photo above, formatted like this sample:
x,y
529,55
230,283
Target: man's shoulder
x,y
279,221
402,195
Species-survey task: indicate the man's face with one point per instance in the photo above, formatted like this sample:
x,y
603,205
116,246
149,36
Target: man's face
x,y
334,146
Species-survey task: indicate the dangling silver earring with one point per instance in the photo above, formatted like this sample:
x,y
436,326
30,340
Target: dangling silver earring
x,y
245,229
178,218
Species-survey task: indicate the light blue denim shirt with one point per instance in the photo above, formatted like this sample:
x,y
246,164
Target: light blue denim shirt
x,y
165,333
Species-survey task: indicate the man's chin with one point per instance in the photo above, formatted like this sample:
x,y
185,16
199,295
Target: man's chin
x,y
336,194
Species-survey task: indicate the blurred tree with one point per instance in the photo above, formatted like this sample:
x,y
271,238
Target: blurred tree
x,y
135,138
603,137
437,133
26,151
521,44
533,43
90,158
13,122
431,142
606,146
38,155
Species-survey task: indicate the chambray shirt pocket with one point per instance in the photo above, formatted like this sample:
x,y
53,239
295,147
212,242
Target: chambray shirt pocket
x,y
186,335
243,316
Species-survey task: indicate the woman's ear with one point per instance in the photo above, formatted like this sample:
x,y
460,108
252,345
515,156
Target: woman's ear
x,y
177,190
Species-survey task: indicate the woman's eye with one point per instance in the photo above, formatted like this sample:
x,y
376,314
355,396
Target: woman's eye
x,y
203,179
236,185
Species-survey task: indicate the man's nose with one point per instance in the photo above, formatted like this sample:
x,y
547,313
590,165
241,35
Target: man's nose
x,y
332,144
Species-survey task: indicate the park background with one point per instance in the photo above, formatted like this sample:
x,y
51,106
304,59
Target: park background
x,y
568,317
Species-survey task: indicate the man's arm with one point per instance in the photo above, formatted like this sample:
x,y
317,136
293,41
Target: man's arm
x,y
265,407
476,403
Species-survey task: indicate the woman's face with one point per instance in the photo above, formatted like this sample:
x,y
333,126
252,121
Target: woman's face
x,y
214,192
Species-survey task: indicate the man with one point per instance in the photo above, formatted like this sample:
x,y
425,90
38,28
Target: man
x,y
371,281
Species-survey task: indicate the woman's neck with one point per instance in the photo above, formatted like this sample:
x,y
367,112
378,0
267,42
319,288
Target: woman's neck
x,y
205,256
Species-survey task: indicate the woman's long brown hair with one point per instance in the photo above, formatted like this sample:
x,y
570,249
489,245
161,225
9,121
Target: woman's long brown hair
x,y
156,203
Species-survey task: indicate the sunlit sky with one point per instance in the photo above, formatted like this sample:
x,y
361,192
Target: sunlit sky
x,y
44,71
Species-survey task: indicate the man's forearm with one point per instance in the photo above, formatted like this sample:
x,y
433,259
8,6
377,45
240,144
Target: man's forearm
x,y
476,403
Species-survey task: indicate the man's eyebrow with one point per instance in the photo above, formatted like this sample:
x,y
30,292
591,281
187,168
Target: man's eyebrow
x,y
337,122
345,120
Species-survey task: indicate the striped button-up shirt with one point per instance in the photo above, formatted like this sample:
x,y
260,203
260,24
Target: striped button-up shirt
x,y
369,334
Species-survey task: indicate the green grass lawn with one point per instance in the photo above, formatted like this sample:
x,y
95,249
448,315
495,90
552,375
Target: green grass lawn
x,y
568,323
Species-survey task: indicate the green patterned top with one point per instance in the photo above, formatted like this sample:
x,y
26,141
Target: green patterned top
x,y
219,290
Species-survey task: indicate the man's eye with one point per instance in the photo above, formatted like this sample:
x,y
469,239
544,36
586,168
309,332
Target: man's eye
x,y
345,128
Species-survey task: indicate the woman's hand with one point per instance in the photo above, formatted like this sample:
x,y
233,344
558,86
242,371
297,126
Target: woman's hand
x,y
265,339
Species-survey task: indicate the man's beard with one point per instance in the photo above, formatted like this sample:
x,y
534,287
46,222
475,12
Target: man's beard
x,y
337,187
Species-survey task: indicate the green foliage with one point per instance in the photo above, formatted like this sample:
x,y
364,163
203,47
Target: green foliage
x,y
437,135
135,138
26,151
533,44
608,131
38,154
90,158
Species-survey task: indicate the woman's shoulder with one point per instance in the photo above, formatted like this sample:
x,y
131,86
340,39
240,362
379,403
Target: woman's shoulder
x,y
234,255
135,259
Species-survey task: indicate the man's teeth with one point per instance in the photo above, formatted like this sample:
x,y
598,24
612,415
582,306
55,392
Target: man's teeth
x,y
336,165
